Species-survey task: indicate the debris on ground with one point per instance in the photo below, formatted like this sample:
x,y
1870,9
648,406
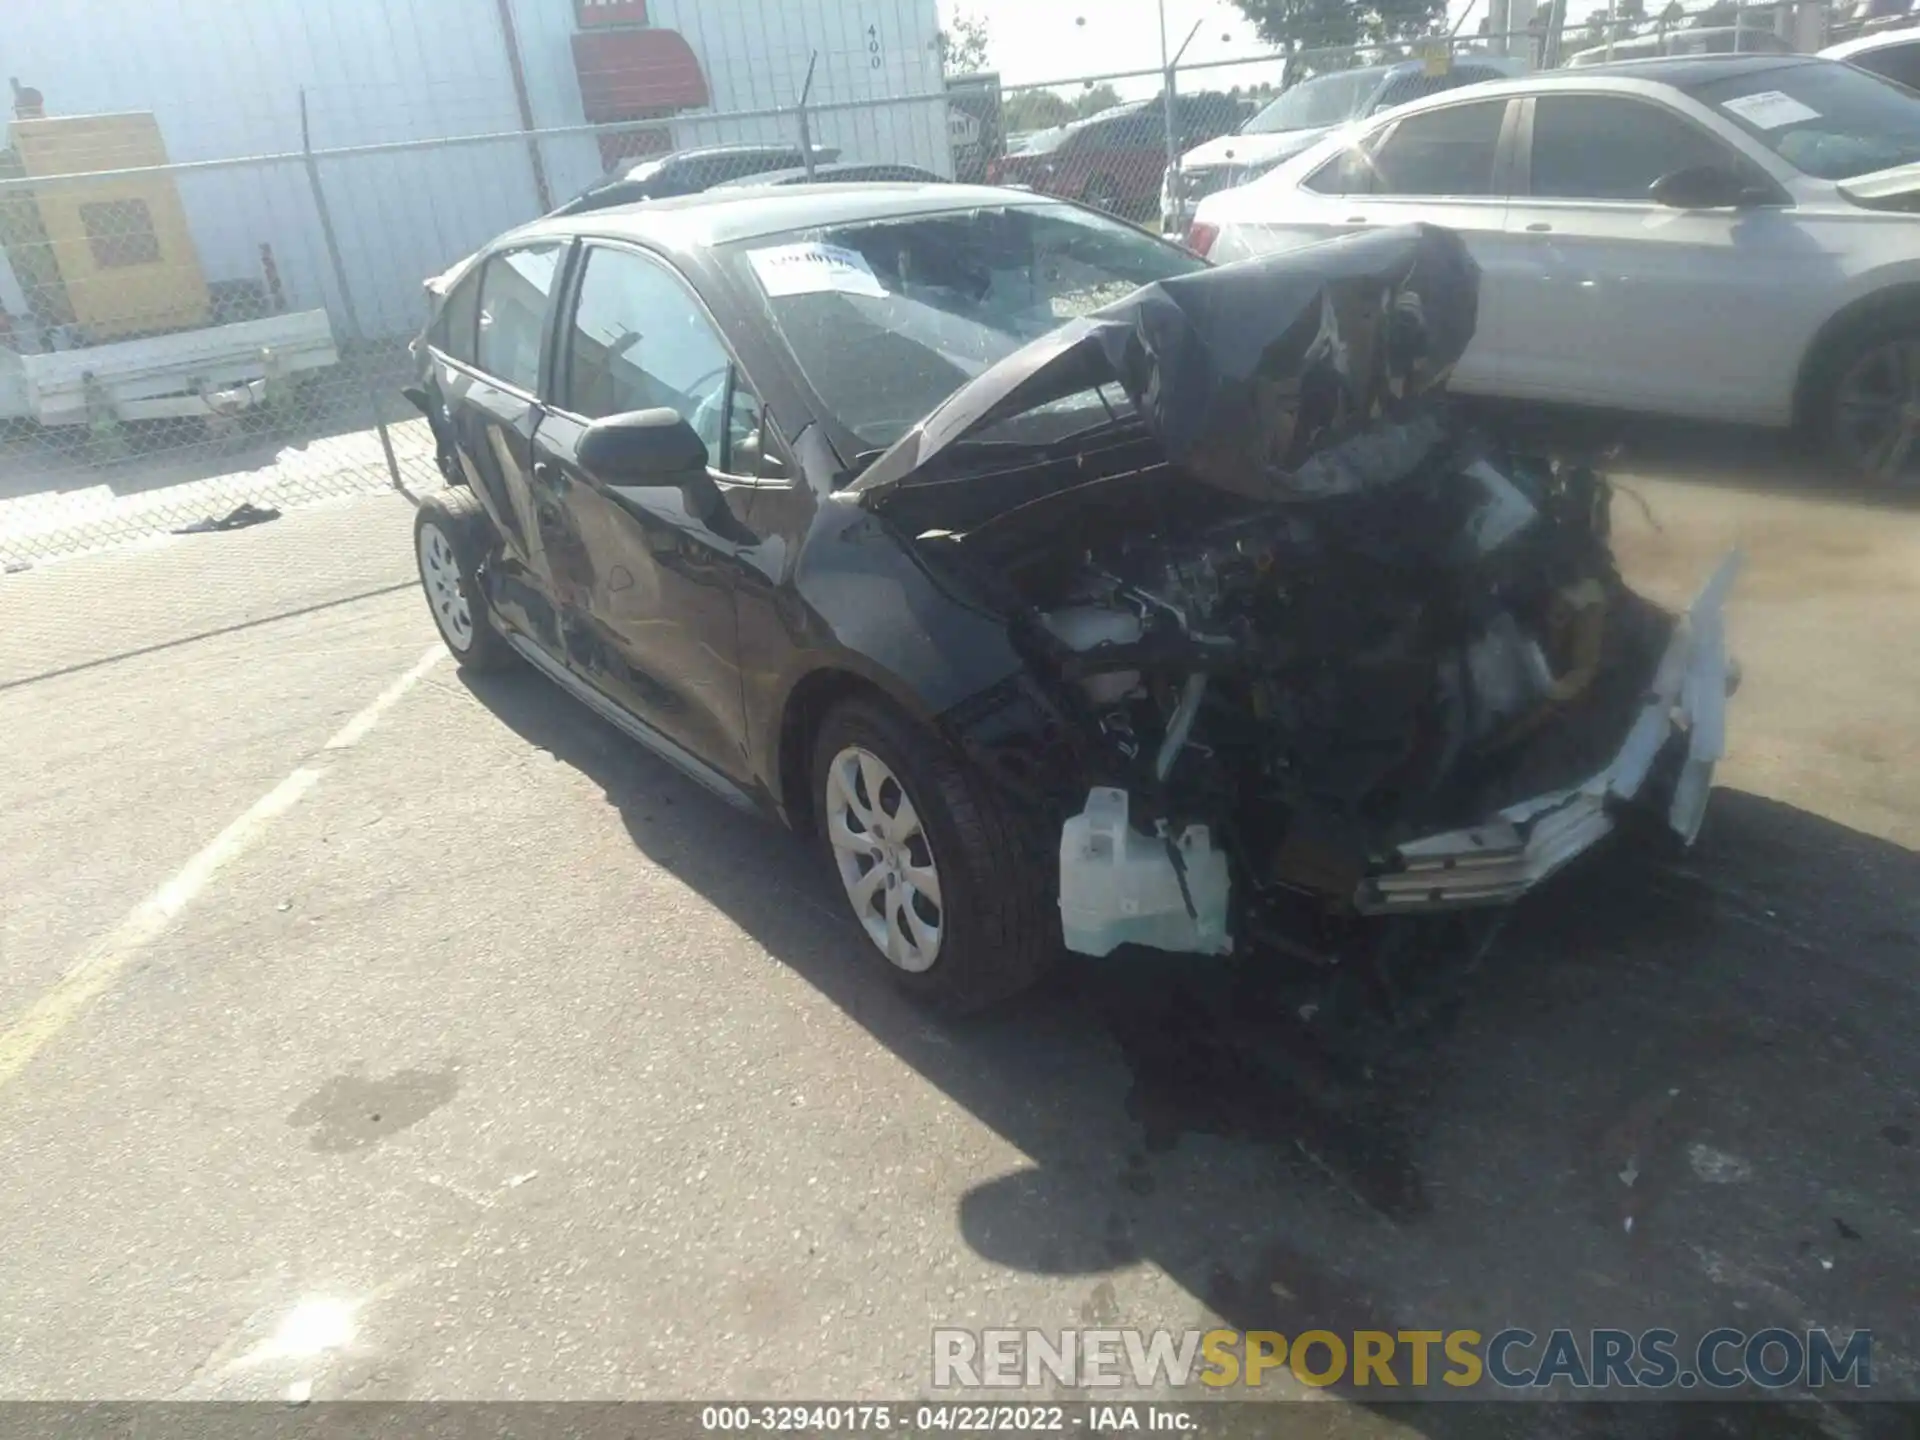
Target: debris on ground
x,y
238,518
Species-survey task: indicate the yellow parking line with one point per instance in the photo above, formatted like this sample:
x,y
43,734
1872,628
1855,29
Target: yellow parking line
x,y
26,1036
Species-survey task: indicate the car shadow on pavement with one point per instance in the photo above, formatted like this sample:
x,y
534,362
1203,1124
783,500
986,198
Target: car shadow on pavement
x,y
1681,1092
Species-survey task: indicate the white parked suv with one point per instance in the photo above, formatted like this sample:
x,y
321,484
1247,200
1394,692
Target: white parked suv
x,y
1892,53
1728,237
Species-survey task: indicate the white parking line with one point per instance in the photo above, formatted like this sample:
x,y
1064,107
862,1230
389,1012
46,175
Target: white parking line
x,y
26,1036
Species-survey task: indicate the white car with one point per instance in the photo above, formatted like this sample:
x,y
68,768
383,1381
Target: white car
x,y
1892,53
1305,113
1728,238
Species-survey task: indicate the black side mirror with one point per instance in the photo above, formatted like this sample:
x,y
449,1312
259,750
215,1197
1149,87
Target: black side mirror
x,y
642,447
1703,187
650,449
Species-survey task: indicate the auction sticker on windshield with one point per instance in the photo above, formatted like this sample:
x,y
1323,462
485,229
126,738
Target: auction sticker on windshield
x,y
1770,109
813,268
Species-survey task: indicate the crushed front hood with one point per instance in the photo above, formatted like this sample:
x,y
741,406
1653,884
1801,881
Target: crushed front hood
x,y
1241,372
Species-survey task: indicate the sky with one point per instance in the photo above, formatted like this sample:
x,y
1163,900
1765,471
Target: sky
x,y
1040,40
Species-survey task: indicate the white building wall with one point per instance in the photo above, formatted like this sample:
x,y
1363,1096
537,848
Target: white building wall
x,y
223,78
754,54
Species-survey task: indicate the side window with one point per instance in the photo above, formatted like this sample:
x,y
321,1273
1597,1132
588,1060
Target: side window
x,y
1348,173
514,290
453,328
1597,147
640,341
1443,152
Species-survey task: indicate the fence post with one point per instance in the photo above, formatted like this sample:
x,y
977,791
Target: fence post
x,y
806,131
516,71
346,290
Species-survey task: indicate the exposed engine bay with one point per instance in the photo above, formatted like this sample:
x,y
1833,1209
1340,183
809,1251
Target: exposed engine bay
x,y
1299,639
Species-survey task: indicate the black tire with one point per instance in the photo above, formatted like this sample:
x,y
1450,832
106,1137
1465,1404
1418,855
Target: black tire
x,y
1827,417
466,532
998,876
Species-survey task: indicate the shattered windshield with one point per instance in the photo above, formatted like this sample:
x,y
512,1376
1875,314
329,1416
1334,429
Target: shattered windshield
x,y
888,318
1828,120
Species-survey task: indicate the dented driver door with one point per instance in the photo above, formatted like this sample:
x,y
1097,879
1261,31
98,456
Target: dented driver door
x,y
647,578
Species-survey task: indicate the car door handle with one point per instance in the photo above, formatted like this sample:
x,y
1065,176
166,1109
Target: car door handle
x,y
1539,227
1356,219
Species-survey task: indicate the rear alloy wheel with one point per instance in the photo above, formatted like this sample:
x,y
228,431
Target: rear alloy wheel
x,y
1873,419
450,542
945,878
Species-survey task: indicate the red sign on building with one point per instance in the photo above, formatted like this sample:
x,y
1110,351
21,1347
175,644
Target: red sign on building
x,y
593,14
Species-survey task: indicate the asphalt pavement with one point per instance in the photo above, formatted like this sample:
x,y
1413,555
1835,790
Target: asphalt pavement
x,y
367,1031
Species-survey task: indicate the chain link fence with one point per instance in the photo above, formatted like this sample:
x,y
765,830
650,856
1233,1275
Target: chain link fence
x,y
216,221
199,342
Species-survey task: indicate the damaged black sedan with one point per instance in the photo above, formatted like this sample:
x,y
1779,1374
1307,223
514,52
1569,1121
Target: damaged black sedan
x,y
1067,588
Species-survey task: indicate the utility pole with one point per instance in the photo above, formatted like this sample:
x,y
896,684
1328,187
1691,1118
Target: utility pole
x,y
1168,96
1166,109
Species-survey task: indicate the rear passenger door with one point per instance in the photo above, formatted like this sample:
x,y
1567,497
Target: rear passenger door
x,y
487,350
653,579
1447,166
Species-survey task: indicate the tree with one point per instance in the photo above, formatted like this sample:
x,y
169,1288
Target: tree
x,y
1094,99
1298,25
963,47
1024,110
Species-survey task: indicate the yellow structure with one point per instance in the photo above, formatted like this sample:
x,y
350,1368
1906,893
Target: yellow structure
x,y
124,255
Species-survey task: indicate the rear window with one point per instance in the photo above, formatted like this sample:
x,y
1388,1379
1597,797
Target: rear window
x,y
453,328
1898,63
1317,103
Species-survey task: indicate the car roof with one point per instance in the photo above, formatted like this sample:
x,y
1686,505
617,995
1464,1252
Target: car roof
x,y
1865,44
1680,71
704,152
720,216
825,174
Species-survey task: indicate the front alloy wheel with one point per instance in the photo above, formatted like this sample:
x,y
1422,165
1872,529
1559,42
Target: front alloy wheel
x,y
1876,416
885,859
952,882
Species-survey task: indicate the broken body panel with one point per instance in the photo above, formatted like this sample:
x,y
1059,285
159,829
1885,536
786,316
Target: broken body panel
x,y
1291,632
